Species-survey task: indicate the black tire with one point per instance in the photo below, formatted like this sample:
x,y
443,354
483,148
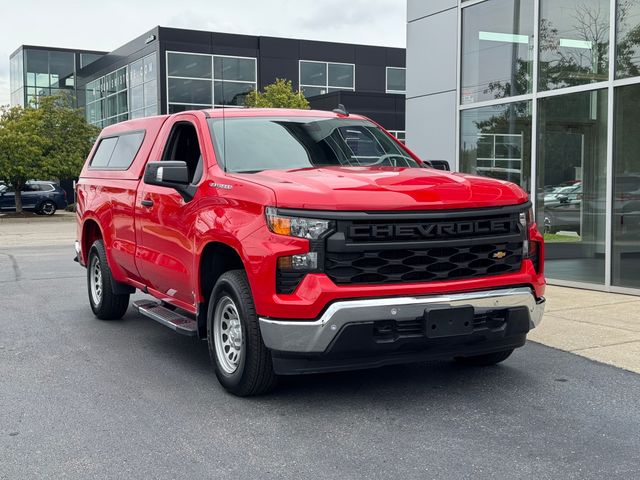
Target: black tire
x,y
47,208
254,371
107,305
485,360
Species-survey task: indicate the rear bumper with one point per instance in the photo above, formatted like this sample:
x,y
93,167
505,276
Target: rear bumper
x,y
378,331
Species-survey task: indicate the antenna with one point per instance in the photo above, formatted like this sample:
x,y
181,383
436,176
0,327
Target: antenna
x,y
341,110
224,120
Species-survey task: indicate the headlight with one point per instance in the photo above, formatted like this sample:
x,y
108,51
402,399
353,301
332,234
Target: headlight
x,y
302,227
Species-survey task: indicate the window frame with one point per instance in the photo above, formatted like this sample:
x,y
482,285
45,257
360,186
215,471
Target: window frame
x,y
386,83
117,135
213,79
327,86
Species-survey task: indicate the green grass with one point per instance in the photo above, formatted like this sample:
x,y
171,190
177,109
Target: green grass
x,y
554,237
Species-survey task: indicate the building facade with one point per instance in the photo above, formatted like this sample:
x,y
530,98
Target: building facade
x,y
543,93
41,71
168,70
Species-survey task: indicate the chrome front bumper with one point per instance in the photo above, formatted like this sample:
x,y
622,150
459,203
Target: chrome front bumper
x,y
315,336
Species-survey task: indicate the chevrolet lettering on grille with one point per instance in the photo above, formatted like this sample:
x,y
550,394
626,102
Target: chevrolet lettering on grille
x,y
430,230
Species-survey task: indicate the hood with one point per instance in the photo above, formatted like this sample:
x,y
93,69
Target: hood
x,y
384,188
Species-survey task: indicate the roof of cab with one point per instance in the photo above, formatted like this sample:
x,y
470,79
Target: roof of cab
x,y
273,112
144,123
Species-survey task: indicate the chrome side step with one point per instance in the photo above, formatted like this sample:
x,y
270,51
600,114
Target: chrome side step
x,y
175,321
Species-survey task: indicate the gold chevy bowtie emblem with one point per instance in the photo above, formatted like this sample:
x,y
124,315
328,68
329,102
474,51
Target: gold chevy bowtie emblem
x,y
499,255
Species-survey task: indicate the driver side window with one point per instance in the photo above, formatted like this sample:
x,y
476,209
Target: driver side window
x,y
183,146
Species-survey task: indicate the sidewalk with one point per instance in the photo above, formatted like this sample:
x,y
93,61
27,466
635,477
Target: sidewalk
x,y
601,326
59,229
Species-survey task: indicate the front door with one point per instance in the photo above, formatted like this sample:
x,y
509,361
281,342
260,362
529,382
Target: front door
x,y
165,251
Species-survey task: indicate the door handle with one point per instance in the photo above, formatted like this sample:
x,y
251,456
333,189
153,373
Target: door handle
x,y
147,203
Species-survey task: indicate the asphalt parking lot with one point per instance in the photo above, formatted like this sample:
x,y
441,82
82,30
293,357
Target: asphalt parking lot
x,y
81,398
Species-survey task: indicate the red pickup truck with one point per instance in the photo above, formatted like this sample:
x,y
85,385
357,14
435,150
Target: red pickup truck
x,y
304,241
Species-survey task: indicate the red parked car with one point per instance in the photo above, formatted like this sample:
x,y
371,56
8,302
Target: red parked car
x,y
304,241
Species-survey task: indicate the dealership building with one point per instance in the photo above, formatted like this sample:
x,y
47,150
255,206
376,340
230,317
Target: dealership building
x,y
546,94
169,70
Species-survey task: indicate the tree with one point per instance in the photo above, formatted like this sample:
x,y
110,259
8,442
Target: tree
x,y
51,141
277,95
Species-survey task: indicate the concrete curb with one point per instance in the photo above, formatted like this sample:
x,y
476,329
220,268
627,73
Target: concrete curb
x,y
57,217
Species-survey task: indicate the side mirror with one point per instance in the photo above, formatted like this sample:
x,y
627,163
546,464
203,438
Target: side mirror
x,y
170,174
563,198
440,165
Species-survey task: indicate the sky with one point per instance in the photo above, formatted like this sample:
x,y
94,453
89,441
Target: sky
x,y
109,24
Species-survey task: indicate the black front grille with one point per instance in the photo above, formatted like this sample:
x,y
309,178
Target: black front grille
x,y
422,265
425,247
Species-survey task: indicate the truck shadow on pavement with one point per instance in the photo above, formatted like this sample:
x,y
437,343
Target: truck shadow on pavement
x,y
402,383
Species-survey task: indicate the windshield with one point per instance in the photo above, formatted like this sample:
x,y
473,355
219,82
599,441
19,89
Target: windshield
x,y
253,144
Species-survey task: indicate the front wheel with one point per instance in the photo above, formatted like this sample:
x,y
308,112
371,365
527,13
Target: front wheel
x,y
485,360
242,362
106,305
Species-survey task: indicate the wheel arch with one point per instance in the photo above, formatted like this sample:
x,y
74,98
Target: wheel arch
x,y
91,232
216,258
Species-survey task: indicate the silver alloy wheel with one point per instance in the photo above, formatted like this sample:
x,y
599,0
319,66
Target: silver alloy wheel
x,y
227,335
48,208
95,279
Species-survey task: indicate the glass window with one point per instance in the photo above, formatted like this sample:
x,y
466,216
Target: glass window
x,y
341,76
574,42
136,97
571,190
17,97
232,68
256,144
496,142
313,91
152,110
396,80
16,73
149,67
122,103
627,39
313,73
626,189
37,68
136,73
126,150
189,65
91,92
231,93
189,91
62,69
103,153
150,93
497,50
318,78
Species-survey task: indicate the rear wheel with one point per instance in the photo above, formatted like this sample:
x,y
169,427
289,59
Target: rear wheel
x,y
242,362
485,360
106,305
47,208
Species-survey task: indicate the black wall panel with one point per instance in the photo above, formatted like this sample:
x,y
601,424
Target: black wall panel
x,y
272,68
